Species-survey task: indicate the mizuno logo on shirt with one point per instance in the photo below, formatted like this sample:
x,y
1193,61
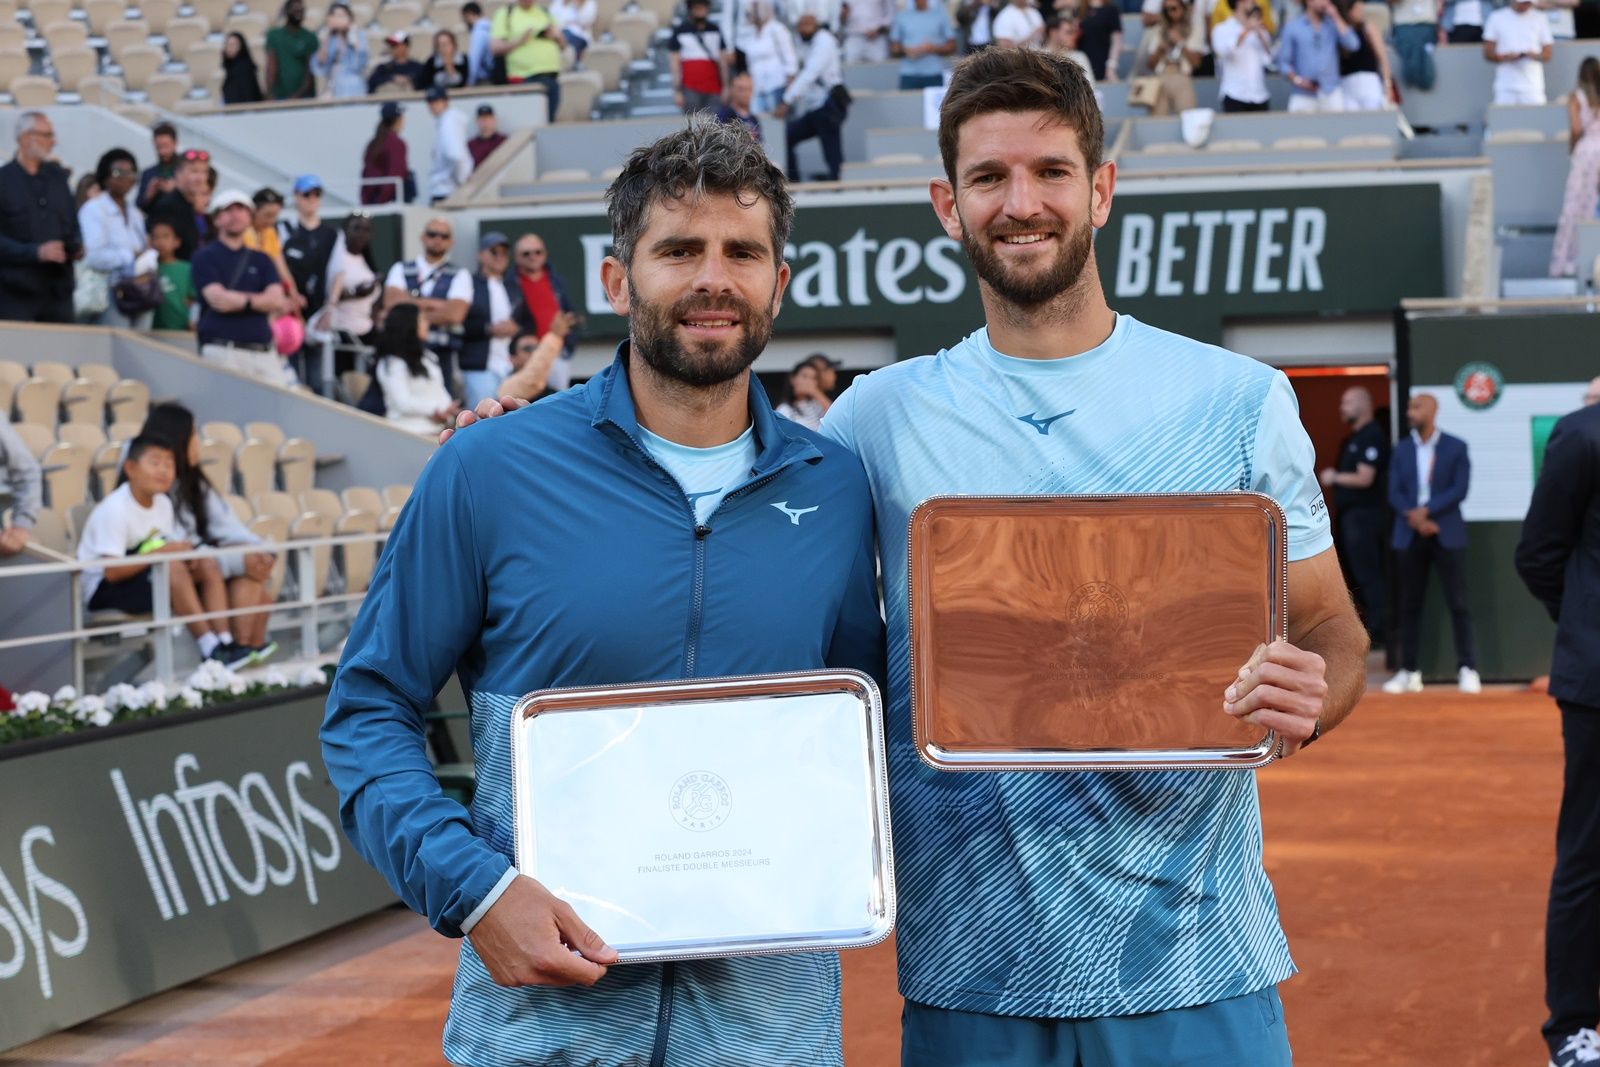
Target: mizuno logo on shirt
x,y
794,513
1043,425
696,496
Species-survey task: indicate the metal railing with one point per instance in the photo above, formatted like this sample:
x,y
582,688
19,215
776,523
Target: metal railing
x,y
310,602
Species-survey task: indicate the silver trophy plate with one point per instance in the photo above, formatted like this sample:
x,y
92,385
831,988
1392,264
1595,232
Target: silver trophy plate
x,y
718,817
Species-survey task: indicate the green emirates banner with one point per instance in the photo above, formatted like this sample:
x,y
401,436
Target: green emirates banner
x,y
1185,262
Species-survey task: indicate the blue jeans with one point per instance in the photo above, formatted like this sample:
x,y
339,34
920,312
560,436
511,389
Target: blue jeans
x,y
479,385
1414,42
552,90
1246,1031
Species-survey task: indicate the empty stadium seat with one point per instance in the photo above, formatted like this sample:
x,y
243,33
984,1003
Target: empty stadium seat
x,y
45,12
50,531
123,429
579,90
12,374
36,400
566,174
103,373
89,435
270,432
274,502
1298,144
76,516
204,59
184,33
33,91
125,33
73,65
357,558
399,15
14,40
38,439
362,498
396,495
102,90
323,502
240,507
66,475
100,14
158,13
167,89
354,383
64,34
609,61
216,463
273,529
297,464
1235,144
139,64
387,520
222,431
213,12
55,372
129,401
254,461
308,527
106,467
635,29
84,402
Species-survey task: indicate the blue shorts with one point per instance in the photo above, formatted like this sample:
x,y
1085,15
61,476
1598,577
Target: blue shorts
x,y
1245,1031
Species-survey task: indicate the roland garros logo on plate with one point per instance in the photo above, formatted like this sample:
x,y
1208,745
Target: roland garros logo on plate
x,y
700,801
1479,385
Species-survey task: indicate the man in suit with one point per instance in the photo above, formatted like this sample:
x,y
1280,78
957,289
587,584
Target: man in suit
x,y
1559,561
1428,480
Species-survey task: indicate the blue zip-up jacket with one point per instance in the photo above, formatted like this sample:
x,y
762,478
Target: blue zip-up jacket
x,y
547,548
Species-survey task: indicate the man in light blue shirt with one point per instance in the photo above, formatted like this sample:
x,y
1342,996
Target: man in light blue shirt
x,y
921,35
480,59
1308,55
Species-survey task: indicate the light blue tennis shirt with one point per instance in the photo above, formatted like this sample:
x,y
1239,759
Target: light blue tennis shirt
x,y
706,475
1073,895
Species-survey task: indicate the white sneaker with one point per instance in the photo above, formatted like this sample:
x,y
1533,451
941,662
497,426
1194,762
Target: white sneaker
x,y
1404,682
1468,681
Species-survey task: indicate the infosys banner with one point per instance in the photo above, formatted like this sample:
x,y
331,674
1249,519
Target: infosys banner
x,y
156,854
1186,262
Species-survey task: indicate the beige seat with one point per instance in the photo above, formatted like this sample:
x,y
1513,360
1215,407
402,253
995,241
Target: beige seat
x,y
204,59
33,91
84,402
14,60
253,460
305,528
55,372
184,33
47,11
123,429
362,498
579,90
1365,140
609,61
38,439
76,517
354,383
240,507
139,64
297,464
267,9
102,13
357,558
396,495
167,89
89,436
64,34
50,531
663,10
273,529
214,12
1235,144
12,374
102,90
895,159
277,503
605,13
216,463
362,12
159,13
37,400
99,372
1514,137
248,25
387,520
566,174
129,401
126,33
635,29
1167,148
399,15
270,432
13,38
222,431
66,475
322,502
1298,144
107,467
447,13
611,174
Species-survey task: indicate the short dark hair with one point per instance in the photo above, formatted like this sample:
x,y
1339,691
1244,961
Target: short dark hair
x,y
471,7
706,156
154,223
164,129
265,196
515,341
144,443
102,169
1016,81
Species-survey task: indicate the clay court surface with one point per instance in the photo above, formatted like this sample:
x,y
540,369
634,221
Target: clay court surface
x,y
1411,852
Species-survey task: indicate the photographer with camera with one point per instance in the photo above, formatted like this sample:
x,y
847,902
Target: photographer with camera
x,y
1243,48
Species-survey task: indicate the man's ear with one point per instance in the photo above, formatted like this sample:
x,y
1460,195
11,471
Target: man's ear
x,y
614,276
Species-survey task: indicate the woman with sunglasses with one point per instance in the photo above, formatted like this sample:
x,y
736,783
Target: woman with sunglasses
x,y
113,233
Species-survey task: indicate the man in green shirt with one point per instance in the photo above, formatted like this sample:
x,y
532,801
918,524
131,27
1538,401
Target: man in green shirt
x,y
289,51
526,35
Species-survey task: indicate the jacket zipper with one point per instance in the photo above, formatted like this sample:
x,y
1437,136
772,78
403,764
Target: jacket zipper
x,y
658,1052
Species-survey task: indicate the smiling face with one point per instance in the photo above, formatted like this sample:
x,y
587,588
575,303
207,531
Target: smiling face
x,y
1025,205
703,288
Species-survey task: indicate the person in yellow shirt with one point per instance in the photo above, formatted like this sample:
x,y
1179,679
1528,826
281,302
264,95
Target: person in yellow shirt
x,y
263,237
526,36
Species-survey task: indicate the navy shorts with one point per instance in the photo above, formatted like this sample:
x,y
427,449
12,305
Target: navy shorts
x,y
131,595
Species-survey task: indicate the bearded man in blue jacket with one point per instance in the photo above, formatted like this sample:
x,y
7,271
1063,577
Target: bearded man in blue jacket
x,y
651,524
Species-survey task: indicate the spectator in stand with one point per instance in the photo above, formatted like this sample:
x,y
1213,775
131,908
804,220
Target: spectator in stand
x,y
176,279
241,81
1061,39
769,56
39,237
826,11
539,297
827,373
239,290
864,25
1308,56
113,230
741,94
353,286
1563,26
1465,19
447,67
1100,37
525,35
263,236
184,207
289,51
426,281
1243,49
1416,31
399,70
1583,173
1359,505
205,519
812,93
1517,40
1364,75
161,176
480,57
86,190
975,24
803,399
22,491
489,136
137,520
341,61
452,163
700,61
576,19
1019,25
385,174
488,309
1170,56
922,36
532,357
308,246
414,393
